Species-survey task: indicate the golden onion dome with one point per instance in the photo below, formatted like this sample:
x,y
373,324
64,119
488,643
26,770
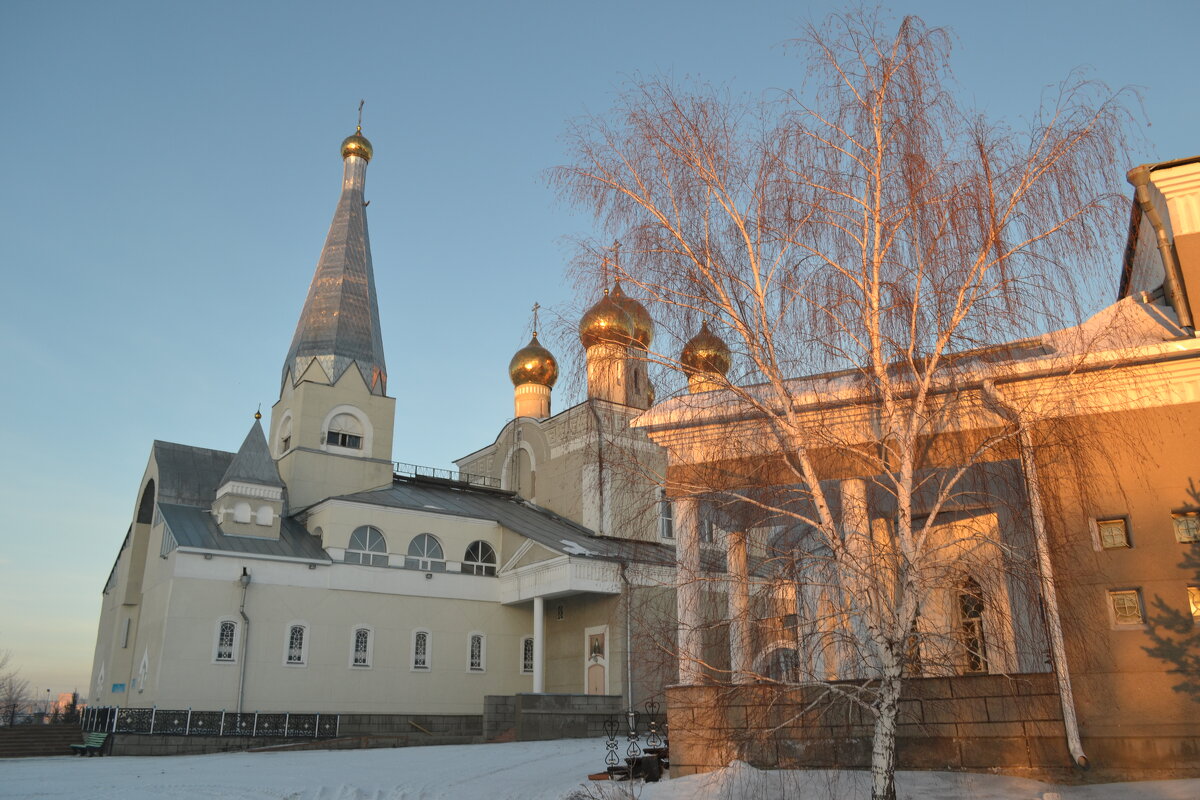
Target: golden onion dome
x,y
606,322
357,145
643,326
533,364
705,352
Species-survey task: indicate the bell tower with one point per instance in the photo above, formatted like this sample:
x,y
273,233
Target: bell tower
x,y
331,430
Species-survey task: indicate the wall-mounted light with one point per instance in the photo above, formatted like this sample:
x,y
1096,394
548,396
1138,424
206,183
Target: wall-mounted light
x,y
312,566
428,576
208,556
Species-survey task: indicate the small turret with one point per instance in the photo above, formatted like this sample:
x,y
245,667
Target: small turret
x,y
249,498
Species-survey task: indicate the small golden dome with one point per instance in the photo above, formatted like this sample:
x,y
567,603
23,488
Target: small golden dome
x,y
643,326
533,364
705,352
357,145
606,322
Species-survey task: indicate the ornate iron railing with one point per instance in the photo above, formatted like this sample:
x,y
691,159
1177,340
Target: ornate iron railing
x,y
186,722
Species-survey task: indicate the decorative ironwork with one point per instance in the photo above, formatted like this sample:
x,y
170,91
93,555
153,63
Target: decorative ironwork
x,y
634,750
185,722
611,759
654,740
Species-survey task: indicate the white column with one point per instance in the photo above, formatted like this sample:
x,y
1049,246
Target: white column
x,y
741,657
539,627
687,590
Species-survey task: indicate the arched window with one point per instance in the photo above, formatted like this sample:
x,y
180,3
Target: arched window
x,y
263,516
297,645
970,608
420,651
345,431
225,651
241,512
361,648
285,434
367,546
425,552
783,665
476,653
480,559
527,655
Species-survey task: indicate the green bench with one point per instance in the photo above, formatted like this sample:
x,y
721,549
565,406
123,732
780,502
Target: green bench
x,y
92,744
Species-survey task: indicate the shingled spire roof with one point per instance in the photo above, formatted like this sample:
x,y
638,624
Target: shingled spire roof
x,y
253,462
339,325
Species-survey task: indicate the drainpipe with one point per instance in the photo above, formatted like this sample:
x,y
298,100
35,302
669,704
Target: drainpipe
x,y
1139,177
245,581
1066,695
628,635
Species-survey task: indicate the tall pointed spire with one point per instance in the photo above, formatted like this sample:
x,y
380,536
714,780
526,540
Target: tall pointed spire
x,y
339,324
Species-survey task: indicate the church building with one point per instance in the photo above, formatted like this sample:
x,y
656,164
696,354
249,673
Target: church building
x,y
308,572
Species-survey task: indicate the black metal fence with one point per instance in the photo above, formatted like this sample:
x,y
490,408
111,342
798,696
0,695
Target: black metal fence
x,y
186,722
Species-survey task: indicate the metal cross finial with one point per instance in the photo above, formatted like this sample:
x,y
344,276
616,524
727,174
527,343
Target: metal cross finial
x,y
536,306
360,106
616,249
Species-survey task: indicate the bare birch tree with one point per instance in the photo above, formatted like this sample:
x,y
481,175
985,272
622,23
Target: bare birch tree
x,y
13,689
874,227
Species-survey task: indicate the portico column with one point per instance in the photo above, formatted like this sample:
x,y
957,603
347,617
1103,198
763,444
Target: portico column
x,y
687,590
539,625
741,657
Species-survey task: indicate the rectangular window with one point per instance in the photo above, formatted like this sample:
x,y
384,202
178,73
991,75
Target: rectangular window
x,y
706,531
1126,607
340,439
125,632
1113,533
1194,603
527,655
666,517
1187,526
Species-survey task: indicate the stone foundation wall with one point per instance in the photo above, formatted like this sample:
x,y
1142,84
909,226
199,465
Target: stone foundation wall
x,y
535,717
994,723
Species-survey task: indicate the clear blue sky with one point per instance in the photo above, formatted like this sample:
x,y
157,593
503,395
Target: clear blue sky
x,y
168,171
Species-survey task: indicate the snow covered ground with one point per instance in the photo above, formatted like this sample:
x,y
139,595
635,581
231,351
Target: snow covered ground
x,y
516,771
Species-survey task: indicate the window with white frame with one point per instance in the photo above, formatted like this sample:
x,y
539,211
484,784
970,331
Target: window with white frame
x,y
1194,603
527,655
345,431
420,650
225,651
480,559
1126,607
666,516
367,546
425,553
706,532
1114,533
1187,526
143,671
296,653
476,652
285,434
970,610
360,655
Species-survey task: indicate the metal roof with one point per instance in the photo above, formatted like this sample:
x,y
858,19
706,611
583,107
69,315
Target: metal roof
x,y
253,462
195,527
339,324
512,512
189,475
